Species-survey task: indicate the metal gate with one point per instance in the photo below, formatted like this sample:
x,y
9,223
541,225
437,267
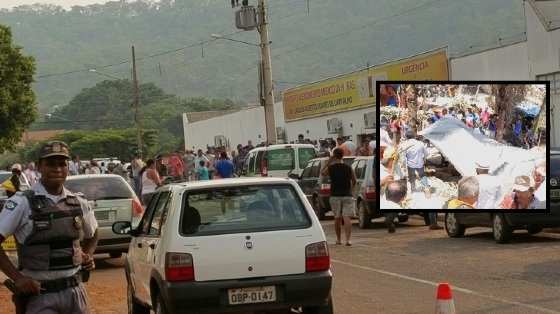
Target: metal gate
x,y
554,79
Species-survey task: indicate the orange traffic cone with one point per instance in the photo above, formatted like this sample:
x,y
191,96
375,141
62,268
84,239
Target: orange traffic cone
x,y
444,302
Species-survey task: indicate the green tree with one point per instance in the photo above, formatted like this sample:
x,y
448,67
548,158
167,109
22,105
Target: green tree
x,y
17,100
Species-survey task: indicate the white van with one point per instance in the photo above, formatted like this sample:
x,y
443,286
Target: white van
x,y
279,160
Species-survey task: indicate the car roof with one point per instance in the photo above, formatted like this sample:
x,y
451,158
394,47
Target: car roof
x,y
276,146
229,182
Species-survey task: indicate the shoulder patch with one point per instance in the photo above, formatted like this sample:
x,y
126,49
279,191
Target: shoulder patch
x,y
10,205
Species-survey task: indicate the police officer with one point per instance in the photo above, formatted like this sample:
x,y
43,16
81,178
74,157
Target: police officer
x,y
56,236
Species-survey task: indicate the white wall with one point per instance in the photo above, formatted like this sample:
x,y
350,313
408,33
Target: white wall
x,y
238,127
248,124
505,63
544,46
352,125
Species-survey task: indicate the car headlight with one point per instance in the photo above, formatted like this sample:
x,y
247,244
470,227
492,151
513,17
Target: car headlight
x,y
553,182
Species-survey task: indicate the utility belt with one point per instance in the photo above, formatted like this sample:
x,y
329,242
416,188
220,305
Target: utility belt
x,y
57,285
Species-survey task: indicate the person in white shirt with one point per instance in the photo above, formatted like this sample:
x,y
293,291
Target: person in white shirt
x,y
74,166
384,140
490,188
539,176
31,174
416,154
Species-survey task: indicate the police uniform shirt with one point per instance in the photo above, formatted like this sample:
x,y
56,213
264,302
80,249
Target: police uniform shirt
x,y
14,220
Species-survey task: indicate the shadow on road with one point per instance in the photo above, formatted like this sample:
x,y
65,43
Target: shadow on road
x,y
479,241
103,261
547,273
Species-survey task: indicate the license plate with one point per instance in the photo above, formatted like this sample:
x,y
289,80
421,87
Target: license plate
x,y
555,193
252,295
105,215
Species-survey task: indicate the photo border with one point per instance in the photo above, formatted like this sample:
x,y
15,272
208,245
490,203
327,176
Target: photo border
x,y
459,82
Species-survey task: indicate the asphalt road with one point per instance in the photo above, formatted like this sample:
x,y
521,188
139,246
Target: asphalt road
x,y
398,273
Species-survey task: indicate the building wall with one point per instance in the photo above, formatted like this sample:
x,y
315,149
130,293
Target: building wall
x,y
239,127
543,45
505,63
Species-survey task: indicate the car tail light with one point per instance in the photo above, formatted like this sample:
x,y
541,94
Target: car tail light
x,y
179,267
370,193
325,189
137,208
317,257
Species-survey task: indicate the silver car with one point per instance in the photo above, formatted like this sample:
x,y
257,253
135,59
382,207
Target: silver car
x,y
112,199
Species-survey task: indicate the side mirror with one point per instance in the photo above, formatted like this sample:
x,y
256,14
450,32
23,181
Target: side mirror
x,y
122,227
294,176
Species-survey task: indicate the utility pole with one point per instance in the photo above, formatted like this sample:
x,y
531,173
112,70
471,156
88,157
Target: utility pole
x,y
267,74
136,105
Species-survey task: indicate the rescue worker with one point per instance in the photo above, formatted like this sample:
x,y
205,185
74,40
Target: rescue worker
x,y
49,222
13,184
467,195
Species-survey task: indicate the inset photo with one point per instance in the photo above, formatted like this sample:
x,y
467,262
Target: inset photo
x,y
462,146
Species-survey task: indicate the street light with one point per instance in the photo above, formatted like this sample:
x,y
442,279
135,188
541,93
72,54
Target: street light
x,y
105,74
217,36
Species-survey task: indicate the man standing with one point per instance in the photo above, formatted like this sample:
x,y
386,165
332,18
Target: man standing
x,y
490,187
467,195
342,203
224,166
416,154
31,174
74,166
136,166
48,223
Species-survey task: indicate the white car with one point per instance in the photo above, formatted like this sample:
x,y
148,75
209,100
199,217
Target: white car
x,y
230,245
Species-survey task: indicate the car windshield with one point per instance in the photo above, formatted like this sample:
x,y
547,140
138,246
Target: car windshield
x,y
242,209
555,165
305,155
281,159
100,188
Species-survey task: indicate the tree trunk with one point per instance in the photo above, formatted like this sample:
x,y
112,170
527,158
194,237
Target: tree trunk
x,y
506,96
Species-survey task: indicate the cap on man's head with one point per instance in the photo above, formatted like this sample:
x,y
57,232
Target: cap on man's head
x,y
54,148
484,165
16,167
522,183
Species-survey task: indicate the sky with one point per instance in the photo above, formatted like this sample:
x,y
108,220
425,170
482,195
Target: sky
x,y
64,3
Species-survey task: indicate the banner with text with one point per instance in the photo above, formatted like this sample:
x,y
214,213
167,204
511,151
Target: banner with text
x,y
357,89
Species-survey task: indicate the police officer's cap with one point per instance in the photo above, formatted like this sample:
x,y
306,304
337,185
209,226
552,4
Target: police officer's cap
x,y
54,148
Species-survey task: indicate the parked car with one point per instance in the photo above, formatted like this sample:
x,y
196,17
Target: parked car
x,y
276,252
502,224
316,187
5,175
112,200
278,160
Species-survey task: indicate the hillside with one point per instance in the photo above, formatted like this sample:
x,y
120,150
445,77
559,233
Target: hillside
x,y
335,37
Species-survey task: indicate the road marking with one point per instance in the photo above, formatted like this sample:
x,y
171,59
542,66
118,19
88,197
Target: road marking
x,y
455,288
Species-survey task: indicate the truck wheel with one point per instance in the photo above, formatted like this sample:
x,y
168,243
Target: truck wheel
x,y
426,216
364,218
452,226
318,209
501,229
534,229
160,305
402,218
133,306
115,254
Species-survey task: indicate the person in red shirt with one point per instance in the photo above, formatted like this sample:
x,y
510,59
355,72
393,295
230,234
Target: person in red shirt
x,y
176,166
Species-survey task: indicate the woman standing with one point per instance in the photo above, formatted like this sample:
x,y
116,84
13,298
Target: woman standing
x,y
150,181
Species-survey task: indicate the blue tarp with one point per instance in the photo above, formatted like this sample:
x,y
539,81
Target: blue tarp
x,y
529,108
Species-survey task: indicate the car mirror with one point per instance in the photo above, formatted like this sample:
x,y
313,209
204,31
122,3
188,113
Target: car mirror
x,y
294,176
122,227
